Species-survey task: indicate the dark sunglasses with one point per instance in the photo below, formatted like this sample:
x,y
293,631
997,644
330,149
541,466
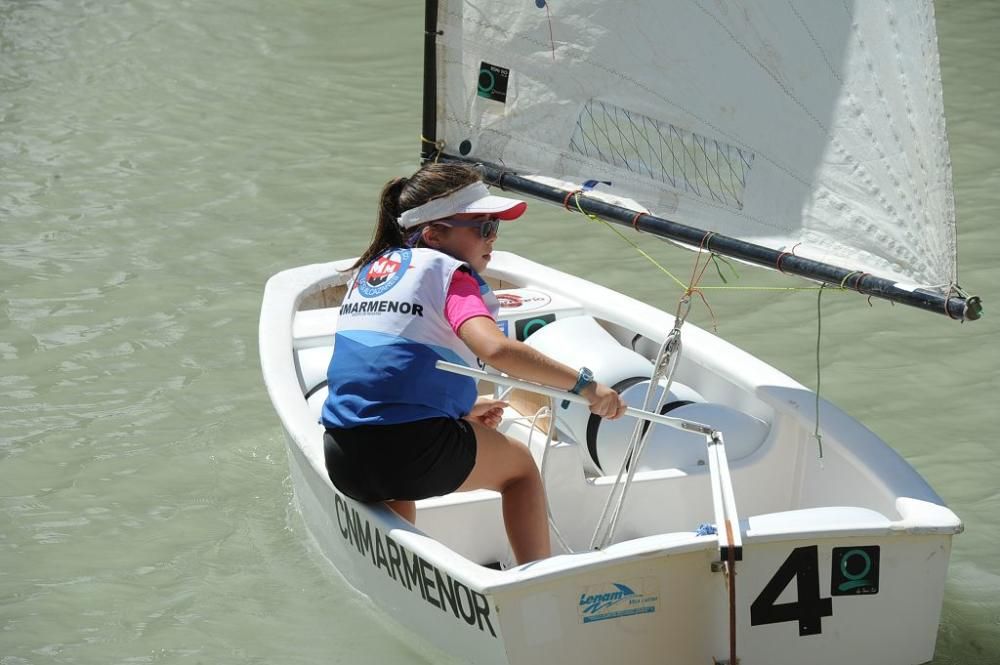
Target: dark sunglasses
x,y
488,229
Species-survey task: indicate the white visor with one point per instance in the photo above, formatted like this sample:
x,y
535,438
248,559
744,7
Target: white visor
x,y
474,199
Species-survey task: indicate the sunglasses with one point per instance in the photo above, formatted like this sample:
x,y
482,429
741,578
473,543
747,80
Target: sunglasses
x,y
488,229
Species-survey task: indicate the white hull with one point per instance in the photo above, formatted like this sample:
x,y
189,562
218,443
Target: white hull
x,y
844,558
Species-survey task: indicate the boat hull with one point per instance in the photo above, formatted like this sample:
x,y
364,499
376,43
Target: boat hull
x,y
678,609
843,558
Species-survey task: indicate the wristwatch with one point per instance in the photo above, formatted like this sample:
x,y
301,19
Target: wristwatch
x,y
583,379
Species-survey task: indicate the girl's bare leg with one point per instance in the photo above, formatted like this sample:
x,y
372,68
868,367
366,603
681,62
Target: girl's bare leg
x,y
405,509
507,466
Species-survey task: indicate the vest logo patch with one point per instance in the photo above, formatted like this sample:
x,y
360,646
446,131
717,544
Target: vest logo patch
x,y
383,273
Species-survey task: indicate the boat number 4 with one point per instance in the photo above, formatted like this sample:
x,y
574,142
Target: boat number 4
x,y
853,572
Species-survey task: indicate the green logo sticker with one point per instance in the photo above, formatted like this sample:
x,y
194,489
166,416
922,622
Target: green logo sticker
x,y
493,82
524,328
855,571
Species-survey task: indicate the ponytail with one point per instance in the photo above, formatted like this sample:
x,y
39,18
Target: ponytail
x,y
431,181
388,233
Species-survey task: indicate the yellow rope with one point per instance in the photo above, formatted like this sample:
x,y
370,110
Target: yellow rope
x,y
687,288
843,282
621,235
438,146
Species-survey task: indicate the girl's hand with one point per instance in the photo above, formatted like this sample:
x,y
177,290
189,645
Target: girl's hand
x,y
604,401
487,412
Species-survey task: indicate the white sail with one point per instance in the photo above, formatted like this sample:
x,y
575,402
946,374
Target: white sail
x,y
814,125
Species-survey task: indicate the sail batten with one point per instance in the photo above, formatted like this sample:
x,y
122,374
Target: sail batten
x,y
813,125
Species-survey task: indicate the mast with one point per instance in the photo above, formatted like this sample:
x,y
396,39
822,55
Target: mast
x,y
954,306
428,138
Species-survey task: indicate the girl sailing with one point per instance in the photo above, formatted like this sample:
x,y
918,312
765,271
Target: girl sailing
x,y
398,429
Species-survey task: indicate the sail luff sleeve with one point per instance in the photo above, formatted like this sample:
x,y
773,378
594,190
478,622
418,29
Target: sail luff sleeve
x,y
428,139
953,306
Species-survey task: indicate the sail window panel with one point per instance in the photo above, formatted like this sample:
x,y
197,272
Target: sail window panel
x,y
680,159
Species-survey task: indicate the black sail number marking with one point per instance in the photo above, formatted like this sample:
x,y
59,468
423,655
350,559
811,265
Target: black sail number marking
x,y
802,565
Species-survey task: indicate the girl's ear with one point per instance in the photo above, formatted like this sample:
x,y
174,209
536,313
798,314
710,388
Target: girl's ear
x,y
433,235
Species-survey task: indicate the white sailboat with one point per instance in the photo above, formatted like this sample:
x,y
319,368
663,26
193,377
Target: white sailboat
x,y
743,130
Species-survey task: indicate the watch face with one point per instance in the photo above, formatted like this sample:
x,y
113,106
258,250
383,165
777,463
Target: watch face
x,y
586,374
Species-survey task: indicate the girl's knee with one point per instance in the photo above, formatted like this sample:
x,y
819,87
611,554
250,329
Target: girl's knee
x,y
501,462
522,465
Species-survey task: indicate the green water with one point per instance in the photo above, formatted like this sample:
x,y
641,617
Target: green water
x,y
159,161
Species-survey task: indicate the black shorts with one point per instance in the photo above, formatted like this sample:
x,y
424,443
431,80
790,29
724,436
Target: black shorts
x,y
407,461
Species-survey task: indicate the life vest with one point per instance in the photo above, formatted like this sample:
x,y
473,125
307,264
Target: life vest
x,y
390,332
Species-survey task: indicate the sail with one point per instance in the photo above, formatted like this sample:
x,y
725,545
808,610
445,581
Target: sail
x,y
817,126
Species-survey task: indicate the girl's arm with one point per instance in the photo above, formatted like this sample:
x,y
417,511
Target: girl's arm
x,y
482,336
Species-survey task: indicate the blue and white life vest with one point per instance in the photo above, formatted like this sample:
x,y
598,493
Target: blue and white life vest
x,y
390,332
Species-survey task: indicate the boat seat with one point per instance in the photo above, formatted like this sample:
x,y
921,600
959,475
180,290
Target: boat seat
x,y
314,327
826,520
313,363
312,339
316,398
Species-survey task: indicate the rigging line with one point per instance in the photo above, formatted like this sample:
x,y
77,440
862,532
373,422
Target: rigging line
x,y
438,146
695,279
697,273
955,289
781,256
695,276
575,196
718,270
595,218
950,292
819,331
547,412
716,259
711,312
699,290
